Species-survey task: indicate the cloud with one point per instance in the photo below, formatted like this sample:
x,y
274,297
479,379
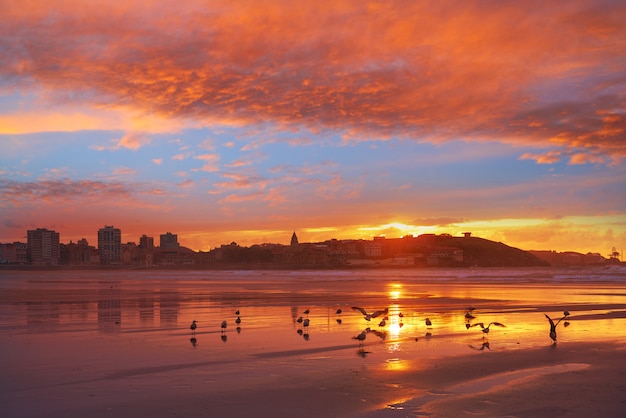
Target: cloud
x,y
157,161
187,183
62,190
132,141
211,162
124,171
443,221
436,71
550,157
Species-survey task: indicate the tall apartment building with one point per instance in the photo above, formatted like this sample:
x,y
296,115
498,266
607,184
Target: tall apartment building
x,y
169,242
110,245
146,242
43,247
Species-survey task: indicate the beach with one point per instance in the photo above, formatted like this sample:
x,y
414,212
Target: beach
x,y
106,344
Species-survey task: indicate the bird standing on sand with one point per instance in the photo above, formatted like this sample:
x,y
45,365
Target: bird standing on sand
x,y
238,320
361,337
306,311
428,322
224,325
338,312
305,323
193,326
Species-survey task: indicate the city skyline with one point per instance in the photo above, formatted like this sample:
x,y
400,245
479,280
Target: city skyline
x,y
245,122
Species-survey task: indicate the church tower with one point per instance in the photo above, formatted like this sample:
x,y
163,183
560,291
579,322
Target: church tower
x,y
294,239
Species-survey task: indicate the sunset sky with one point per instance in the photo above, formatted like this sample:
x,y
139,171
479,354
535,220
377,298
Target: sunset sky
x,y
244,121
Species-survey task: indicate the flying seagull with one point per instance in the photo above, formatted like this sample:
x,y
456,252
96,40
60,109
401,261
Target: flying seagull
x,y
485,329
554,325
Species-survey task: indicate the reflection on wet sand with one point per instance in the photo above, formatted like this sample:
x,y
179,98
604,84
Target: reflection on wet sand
x,y
118,323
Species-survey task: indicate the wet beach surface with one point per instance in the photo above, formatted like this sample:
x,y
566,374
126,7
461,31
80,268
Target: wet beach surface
x,y
98,343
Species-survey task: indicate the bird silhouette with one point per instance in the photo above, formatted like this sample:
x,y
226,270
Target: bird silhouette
x,y
237,312
193,326
193,341
485,329
338,312
553,325
428,322
366,315
238,320
482,347
361,337
305,323
306,311
224,325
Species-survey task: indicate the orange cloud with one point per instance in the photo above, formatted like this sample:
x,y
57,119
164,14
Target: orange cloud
x,y
424,71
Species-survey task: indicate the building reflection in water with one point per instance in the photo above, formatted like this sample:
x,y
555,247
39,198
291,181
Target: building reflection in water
x,y
169,306
109,308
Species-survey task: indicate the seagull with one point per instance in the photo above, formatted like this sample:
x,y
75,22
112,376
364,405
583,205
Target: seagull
x,y
305,322
363,311
468,313
379,313
382,323
361,337
428,323
338,311
306,312
553,325
485,329
193,327
238,320
224,326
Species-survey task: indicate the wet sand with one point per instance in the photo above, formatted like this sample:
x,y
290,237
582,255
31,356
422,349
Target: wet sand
x,y
120,346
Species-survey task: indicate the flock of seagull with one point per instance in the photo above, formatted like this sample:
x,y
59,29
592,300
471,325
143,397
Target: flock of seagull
x,y
304,322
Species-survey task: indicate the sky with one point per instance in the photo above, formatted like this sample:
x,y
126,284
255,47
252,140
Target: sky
x,y
245,121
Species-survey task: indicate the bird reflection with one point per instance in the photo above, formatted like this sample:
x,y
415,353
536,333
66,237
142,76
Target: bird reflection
x,y
224,338
380,334
484,345
238,329
553,325
193,341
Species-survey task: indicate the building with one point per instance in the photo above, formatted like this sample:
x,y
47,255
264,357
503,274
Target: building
x,y
169,242
110,245
43,247
146,243
294,239
79,253
13,253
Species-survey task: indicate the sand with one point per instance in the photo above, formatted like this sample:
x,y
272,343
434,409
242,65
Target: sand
x,y
116,347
